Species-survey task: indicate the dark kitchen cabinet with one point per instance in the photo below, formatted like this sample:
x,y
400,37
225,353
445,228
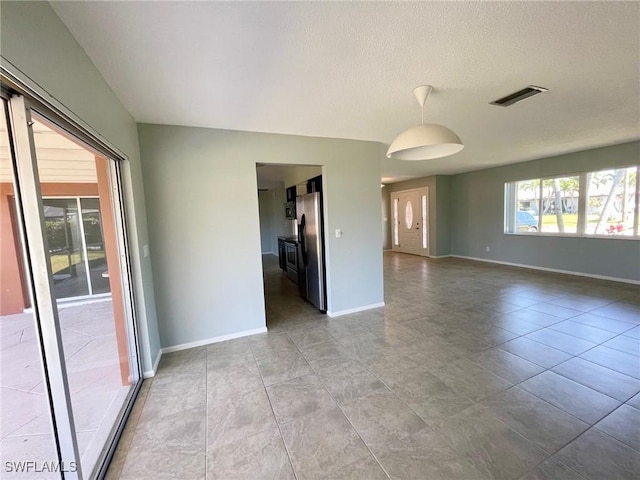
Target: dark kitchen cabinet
x,y
282,254
291,194
314,184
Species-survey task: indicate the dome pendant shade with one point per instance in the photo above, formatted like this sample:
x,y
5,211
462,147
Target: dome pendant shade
x,y
426,141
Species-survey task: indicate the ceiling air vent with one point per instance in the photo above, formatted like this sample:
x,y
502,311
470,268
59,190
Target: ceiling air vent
x,y
515,97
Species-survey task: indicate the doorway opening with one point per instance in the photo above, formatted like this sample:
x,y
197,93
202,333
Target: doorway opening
x,y
291,207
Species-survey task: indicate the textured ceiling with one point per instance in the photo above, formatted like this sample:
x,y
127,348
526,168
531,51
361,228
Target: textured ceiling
x,y
347,70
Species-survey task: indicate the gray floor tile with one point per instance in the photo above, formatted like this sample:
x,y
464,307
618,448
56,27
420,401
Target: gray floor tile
x,y
635,401
615,360
322,443
604,323
281,366
497,335
552,469
620,311
424,454
519,300
298,397
434,355
578,400
633,333
561,341
623,425
506,365
312,336
581,330
258,456
169,447
233,380
383,420
494,449
220,360
516,324
555,310
540,422
535,352
596,455
345,388
468,379
236,417
602,379
625,344
581,303
268,344
365,469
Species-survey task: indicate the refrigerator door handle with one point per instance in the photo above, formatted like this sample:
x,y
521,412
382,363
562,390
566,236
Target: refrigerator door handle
x,y
301,240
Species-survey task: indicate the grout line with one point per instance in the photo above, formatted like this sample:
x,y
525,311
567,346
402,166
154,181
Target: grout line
x,y
275,418
343,413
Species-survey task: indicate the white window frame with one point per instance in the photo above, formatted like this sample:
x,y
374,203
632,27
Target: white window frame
x,y
510,207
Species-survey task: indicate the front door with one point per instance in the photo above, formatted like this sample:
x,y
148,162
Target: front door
x,y
411,221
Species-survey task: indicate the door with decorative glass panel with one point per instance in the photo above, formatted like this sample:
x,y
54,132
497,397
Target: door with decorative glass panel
x,y
410,211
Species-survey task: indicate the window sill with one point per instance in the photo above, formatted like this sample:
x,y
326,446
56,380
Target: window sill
x,y
572,235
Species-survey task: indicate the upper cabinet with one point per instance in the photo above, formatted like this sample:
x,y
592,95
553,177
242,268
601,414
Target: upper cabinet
x,y
314,184
291,194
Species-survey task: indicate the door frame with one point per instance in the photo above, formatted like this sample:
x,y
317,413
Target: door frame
x,y
30,217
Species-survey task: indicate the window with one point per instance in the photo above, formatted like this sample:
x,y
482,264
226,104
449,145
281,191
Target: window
x,y
600,203
559,206
396,239
425,224
611,202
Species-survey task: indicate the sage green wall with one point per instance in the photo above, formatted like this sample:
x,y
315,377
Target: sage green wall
x,y
386,218
477,200
443,214
203,218
39,48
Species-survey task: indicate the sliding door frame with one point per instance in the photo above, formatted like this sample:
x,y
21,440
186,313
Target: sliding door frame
x,y
30,216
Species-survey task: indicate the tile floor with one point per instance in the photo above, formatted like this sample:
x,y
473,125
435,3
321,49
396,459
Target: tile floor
x,y
471,371
96,388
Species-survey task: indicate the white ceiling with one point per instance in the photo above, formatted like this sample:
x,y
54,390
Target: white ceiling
x,y
347,70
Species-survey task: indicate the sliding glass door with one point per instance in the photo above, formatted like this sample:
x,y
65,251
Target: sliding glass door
x,y
64,219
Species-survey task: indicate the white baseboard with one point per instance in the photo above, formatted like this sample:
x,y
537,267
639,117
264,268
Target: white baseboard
x,y
355,310
207,341
269,253
152,373
441,256
554,270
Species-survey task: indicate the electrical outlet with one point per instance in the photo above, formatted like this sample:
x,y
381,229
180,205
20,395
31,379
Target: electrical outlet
x,y
488,248
338,233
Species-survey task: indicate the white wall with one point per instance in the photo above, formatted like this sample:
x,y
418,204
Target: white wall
x,y
39,48
204,224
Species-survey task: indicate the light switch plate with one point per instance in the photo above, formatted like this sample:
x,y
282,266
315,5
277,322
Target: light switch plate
x,y
145,250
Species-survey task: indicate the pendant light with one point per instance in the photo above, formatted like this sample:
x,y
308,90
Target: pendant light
x,y
424,141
